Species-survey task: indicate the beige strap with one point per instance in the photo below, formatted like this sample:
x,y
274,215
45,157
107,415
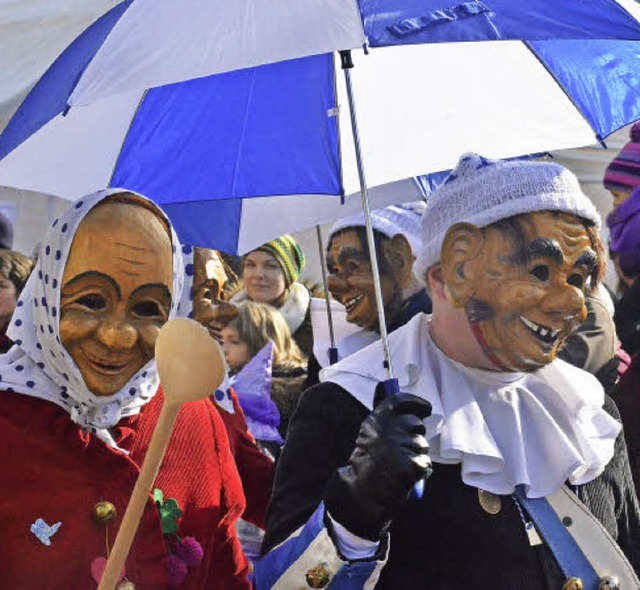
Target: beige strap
x,y
594,540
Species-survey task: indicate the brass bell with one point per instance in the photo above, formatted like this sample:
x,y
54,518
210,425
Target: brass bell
x,y
125,585
572,584
609,583
317,577
103,513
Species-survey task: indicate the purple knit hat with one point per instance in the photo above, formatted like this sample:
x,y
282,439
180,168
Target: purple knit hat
x,y
624,228
624,171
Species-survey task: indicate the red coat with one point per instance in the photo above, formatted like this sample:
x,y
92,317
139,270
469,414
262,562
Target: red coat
x,y
255,468
50,469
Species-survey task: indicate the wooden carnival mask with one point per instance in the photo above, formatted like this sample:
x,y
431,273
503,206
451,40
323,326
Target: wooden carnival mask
x,y
351,276
522,282
116,292
209,280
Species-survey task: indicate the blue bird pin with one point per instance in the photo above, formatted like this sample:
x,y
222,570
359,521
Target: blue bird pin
x,y
43,531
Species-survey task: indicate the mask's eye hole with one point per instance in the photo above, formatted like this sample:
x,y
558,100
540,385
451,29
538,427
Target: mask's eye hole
x,y
540,272
92,302
146,309
576,280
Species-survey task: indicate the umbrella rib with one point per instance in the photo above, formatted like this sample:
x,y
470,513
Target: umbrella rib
x,y
126,135
242,135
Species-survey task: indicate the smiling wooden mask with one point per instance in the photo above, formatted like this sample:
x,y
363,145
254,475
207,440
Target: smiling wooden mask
x,y
116,292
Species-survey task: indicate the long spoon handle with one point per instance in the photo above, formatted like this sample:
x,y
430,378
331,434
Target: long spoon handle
x,y
140,496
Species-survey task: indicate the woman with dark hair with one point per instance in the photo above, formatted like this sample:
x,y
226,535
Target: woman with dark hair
x,y
15,269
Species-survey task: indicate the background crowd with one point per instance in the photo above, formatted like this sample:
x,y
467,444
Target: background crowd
x,y
259,310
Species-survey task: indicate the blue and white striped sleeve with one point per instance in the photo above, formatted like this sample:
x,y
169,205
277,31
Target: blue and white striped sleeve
x,y
309,559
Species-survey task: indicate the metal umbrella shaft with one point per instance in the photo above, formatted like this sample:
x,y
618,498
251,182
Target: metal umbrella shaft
x,y
391,385
333,351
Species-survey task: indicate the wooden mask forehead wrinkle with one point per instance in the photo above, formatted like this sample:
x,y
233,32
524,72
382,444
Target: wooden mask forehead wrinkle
x,y
121,239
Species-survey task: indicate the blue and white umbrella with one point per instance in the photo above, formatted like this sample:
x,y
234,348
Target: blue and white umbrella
x,y
240,157
517,77
148,43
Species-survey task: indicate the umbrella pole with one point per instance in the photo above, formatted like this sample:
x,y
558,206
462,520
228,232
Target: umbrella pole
x,y
391,384
333,351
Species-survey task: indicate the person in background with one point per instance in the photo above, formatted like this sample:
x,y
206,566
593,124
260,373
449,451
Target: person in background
x,y
509,250
204,299
81,397
397,237
270,275
621,177
248,334
624,228
624,243
15,269
594,346
623,173
6,233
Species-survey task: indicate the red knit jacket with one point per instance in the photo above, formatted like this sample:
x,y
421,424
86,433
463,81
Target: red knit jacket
x,y
255,468
50,469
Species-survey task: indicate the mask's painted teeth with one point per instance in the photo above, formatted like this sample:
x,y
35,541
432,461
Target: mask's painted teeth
x,y
351,303
546,334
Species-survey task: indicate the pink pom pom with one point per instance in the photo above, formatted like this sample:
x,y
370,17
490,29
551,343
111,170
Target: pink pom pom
x,y
190,551
176,570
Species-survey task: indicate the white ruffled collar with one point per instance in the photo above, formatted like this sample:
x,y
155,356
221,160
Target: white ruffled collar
x,y
537,429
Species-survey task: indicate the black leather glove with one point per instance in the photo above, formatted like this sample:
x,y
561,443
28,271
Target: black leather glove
x,y
391,455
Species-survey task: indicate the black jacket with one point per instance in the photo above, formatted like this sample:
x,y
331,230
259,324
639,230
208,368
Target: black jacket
x,y
445,541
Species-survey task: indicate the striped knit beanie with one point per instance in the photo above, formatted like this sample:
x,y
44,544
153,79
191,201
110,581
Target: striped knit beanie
x,y
624,234
624,171
287,252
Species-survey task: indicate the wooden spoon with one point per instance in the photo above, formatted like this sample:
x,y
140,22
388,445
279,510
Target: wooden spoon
x,y
191,366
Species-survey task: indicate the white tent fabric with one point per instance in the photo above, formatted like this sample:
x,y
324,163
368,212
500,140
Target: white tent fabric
x,y
32,34
187,39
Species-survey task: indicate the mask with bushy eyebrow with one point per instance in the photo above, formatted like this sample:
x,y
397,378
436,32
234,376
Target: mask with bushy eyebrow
x,y
522,283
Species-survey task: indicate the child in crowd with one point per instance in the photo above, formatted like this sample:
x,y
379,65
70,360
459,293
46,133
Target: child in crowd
x,y
244,337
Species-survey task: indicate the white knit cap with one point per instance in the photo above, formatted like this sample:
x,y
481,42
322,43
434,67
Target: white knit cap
x,y
482,191
396,219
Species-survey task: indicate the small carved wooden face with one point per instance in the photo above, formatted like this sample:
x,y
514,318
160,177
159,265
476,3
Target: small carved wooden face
x,y
522,283
351,278
209,280
116,293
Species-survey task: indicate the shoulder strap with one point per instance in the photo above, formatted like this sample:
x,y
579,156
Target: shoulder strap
x,y
582,547
568,554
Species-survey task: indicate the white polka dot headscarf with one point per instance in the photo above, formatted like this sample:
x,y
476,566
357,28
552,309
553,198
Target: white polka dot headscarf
x,y
185,305
39,366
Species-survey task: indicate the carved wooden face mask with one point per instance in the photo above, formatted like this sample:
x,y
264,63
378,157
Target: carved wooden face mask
x,y
116,293
522,283
209,280
351,277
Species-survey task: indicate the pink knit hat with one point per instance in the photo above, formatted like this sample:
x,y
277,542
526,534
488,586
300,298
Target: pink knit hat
x,y
624,171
